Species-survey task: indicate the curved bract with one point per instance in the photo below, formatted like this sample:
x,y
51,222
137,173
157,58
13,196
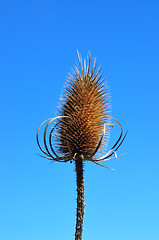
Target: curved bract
x,y
52,155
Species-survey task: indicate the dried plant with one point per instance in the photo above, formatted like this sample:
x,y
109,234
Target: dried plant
x,y
81,127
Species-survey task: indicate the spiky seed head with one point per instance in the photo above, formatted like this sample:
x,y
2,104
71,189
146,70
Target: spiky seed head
x,y
85,104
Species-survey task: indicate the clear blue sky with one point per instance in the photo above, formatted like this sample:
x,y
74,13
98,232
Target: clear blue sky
x,y
38,43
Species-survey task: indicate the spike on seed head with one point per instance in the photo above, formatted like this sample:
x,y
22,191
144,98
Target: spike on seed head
x,y
86,106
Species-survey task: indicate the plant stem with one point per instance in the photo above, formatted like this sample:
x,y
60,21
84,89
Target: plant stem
x,y
80,197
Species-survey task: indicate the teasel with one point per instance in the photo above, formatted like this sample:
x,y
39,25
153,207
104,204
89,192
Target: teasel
x,y
81,127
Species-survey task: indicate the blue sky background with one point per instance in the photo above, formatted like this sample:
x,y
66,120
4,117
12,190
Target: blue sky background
x,y
38,43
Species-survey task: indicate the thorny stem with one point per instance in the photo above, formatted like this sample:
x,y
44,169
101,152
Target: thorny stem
x,y
80,197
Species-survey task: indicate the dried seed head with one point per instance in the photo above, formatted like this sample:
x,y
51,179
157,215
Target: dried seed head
x,y
86,104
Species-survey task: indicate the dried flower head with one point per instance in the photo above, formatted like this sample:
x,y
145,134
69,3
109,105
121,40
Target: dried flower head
x,y
83,118
85,105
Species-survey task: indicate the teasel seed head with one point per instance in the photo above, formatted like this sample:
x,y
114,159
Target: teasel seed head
x,y
86,106
83,118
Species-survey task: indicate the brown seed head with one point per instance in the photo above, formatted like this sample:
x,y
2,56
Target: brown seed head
x,y
85,104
